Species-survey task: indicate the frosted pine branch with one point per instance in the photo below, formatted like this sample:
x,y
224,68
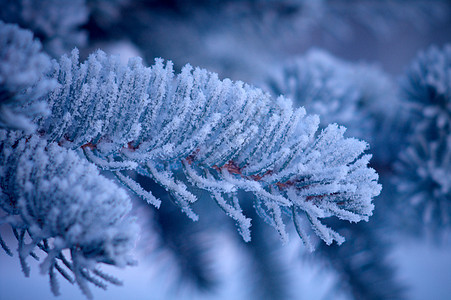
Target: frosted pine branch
x,y
56,201
192,129
22,66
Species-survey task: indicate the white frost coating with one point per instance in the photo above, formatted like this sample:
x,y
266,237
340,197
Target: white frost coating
x,y
107,165
297,219
207,183
344,214
179,189
138,190
192,129
324,232
276,214
62,203
256,188
235,213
